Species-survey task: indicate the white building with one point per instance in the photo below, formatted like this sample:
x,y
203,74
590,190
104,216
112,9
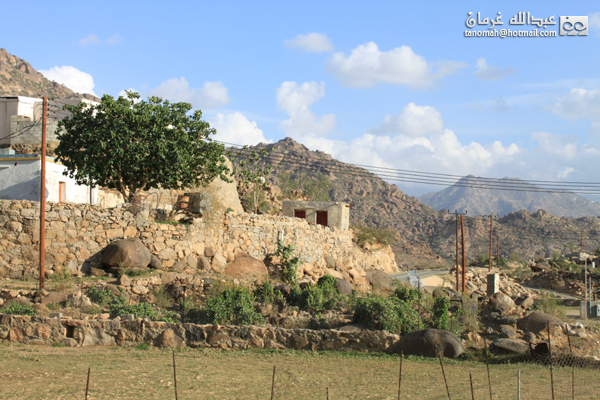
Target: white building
x,y
20,179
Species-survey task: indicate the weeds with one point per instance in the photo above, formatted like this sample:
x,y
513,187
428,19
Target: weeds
x,y
18,309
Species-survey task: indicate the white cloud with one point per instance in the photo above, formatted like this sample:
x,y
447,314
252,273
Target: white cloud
x,y
413,121
295,100
366,66
578,103
90,39
71,77
594,20
114,39
237,129
564,172
311,43
491,72
212,94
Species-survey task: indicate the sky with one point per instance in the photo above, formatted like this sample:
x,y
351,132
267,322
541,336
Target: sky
x,y
381,83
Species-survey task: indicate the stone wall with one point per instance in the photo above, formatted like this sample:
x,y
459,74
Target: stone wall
x,y
72,333
76,234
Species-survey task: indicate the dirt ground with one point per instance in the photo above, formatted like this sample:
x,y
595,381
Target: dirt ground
x,y
118,373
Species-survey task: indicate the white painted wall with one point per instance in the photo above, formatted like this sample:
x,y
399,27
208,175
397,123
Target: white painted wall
x,y
22,181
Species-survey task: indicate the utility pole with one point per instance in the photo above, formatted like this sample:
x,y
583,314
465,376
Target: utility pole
x,y
43,197
497,249
490,255
456,237
582,240
462,232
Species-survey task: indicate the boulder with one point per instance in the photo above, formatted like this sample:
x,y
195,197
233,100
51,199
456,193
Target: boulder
x,y
508,331
537,322
97,271
129,253
55,297
503,346
169,339
539,267
379,279
344,287
501,303
155,263
245,266
285,289
429,343
203,263
218,263
525,301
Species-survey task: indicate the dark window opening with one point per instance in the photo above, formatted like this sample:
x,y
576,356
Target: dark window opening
x,y
70,332
300,213
322,218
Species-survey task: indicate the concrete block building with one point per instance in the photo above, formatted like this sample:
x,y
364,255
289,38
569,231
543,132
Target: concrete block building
x,y
334,214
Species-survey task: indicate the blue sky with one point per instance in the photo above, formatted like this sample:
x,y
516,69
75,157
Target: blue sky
x,y
376,83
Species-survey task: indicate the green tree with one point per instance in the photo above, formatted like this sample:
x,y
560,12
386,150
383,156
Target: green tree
x,y
131,145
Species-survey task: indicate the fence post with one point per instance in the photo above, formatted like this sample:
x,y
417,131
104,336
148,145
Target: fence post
x,y
550,351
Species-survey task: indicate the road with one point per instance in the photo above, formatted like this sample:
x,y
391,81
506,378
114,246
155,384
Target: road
x,y
421,274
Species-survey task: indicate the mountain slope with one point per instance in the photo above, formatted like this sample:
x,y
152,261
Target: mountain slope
x,y
478,201
19,78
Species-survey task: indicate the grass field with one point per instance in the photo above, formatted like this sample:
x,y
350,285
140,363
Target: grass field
x,y
39,372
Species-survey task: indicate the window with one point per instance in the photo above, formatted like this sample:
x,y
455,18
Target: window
x,y
62,191
300,213
322,218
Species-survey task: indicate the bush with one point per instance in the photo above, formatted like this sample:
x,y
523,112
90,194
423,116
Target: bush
x,y
18,309
548,303
365,235
231,306
391,314
289,265
406,293
440,316
514,256
322,296
142,310
266,293
102,297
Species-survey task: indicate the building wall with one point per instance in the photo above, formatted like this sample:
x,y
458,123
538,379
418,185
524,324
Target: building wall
x,y
76,233
22,181
338,213
12,106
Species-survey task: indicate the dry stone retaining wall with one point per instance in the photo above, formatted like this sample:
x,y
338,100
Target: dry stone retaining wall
x,y
76,234
72,333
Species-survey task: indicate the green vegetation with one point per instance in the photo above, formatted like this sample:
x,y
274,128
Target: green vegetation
x,y
253,173
440,313
234,305
132,145
322,296
142,346
390,314
514,256
316,188
549,303
18,309
289,264
365,235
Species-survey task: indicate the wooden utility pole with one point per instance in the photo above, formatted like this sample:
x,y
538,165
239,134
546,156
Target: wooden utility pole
x,y
43,197
582,240
457,278
462,233
497,249
491,228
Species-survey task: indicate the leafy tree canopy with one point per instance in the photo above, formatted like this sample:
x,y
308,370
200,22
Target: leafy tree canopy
x,y
132,145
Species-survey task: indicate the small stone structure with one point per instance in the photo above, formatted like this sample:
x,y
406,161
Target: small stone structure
x,y
334,214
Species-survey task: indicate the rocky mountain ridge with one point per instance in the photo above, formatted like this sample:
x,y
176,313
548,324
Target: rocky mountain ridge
x,y
478,197
19,78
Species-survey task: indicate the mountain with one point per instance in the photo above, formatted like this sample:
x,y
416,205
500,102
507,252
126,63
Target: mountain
x,y
468,194
19,78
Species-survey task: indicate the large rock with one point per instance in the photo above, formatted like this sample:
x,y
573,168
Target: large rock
x,y
169,339
129,253
536,322
55,297
429,343
525,301
503,346
379,279
344,287
245,266
501,302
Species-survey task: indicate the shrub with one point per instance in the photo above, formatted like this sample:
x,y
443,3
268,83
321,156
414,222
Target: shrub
x,y
390,314
365,235
322,296
142,346
406,293
18,309
142,310
289,265
102,297
514,256
266,293
548,303
231,306
440,312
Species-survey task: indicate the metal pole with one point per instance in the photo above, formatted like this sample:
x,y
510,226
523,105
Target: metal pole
x,y
586,292
43,198
519,386
400,373
491,229
444,374
462,232
175,374
457,277
550,352
87,386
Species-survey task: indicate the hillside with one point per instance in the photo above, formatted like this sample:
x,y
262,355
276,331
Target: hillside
x,y
19,78
422,233
480,201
